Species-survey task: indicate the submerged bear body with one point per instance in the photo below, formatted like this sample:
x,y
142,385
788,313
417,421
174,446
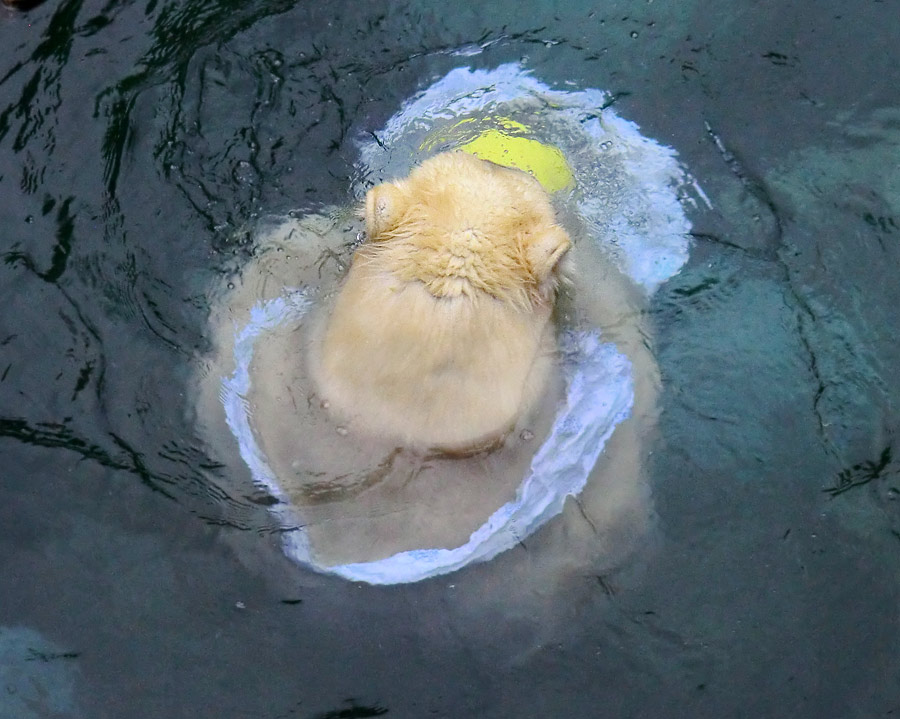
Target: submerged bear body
x,y
439,336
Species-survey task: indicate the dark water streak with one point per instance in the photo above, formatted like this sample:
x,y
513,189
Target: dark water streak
x,y
776,251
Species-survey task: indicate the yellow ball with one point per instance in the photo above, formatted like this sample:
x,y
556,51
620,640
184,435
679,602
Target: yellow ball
x,y
546,163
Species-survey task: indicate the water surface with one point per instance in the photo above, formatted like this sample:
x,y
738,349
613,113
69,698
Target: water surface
x,y
139,144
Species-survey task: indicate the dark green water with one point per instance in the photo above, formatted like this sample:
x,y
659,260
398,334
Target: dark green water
x,y
139,141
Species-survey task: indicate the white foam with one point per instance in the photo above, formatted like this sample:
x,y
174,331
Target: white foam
x,y
628,187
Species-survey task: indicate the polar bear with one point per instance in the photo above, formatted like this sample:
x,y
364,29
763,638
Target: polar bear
x,y
441,335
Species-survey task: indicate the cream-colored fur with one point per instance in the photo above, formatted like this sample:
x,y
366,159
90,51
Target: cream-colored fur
x,y
440,336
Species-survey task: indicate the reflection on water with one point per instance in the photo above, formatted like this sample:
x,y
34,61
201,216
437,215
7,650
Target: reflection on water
x,y
141,142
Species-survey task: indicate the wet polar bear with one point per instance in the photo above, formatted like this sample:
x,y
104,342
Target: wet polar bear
x,y
441,337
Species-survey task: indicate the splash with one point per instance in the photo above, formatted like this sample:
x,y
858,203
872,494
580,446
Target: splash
x,y
627,188
623,191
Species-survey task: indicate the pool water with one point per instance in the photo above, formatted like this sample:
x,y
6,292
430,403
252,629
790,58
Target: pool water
x,y
141,145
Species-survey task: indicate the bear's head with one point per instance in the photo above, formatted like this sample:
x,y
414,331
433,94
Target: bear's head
x,y
465,227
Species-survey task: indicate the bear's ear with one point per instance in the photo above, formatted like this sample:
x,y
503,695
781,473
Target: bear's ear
x,y
546,250
384,208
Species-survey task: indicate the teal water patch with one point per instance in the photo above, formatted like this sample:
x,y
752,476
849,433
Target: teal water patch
x,y
850,189
37,678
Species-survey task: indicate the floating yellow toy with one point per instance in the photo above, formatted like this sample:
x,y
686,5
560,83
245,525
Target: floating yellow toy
x,y
504,144
546,163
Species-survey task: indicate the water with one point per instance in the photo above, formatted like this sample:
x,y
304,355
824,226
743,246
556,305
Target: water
x,y
140,142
